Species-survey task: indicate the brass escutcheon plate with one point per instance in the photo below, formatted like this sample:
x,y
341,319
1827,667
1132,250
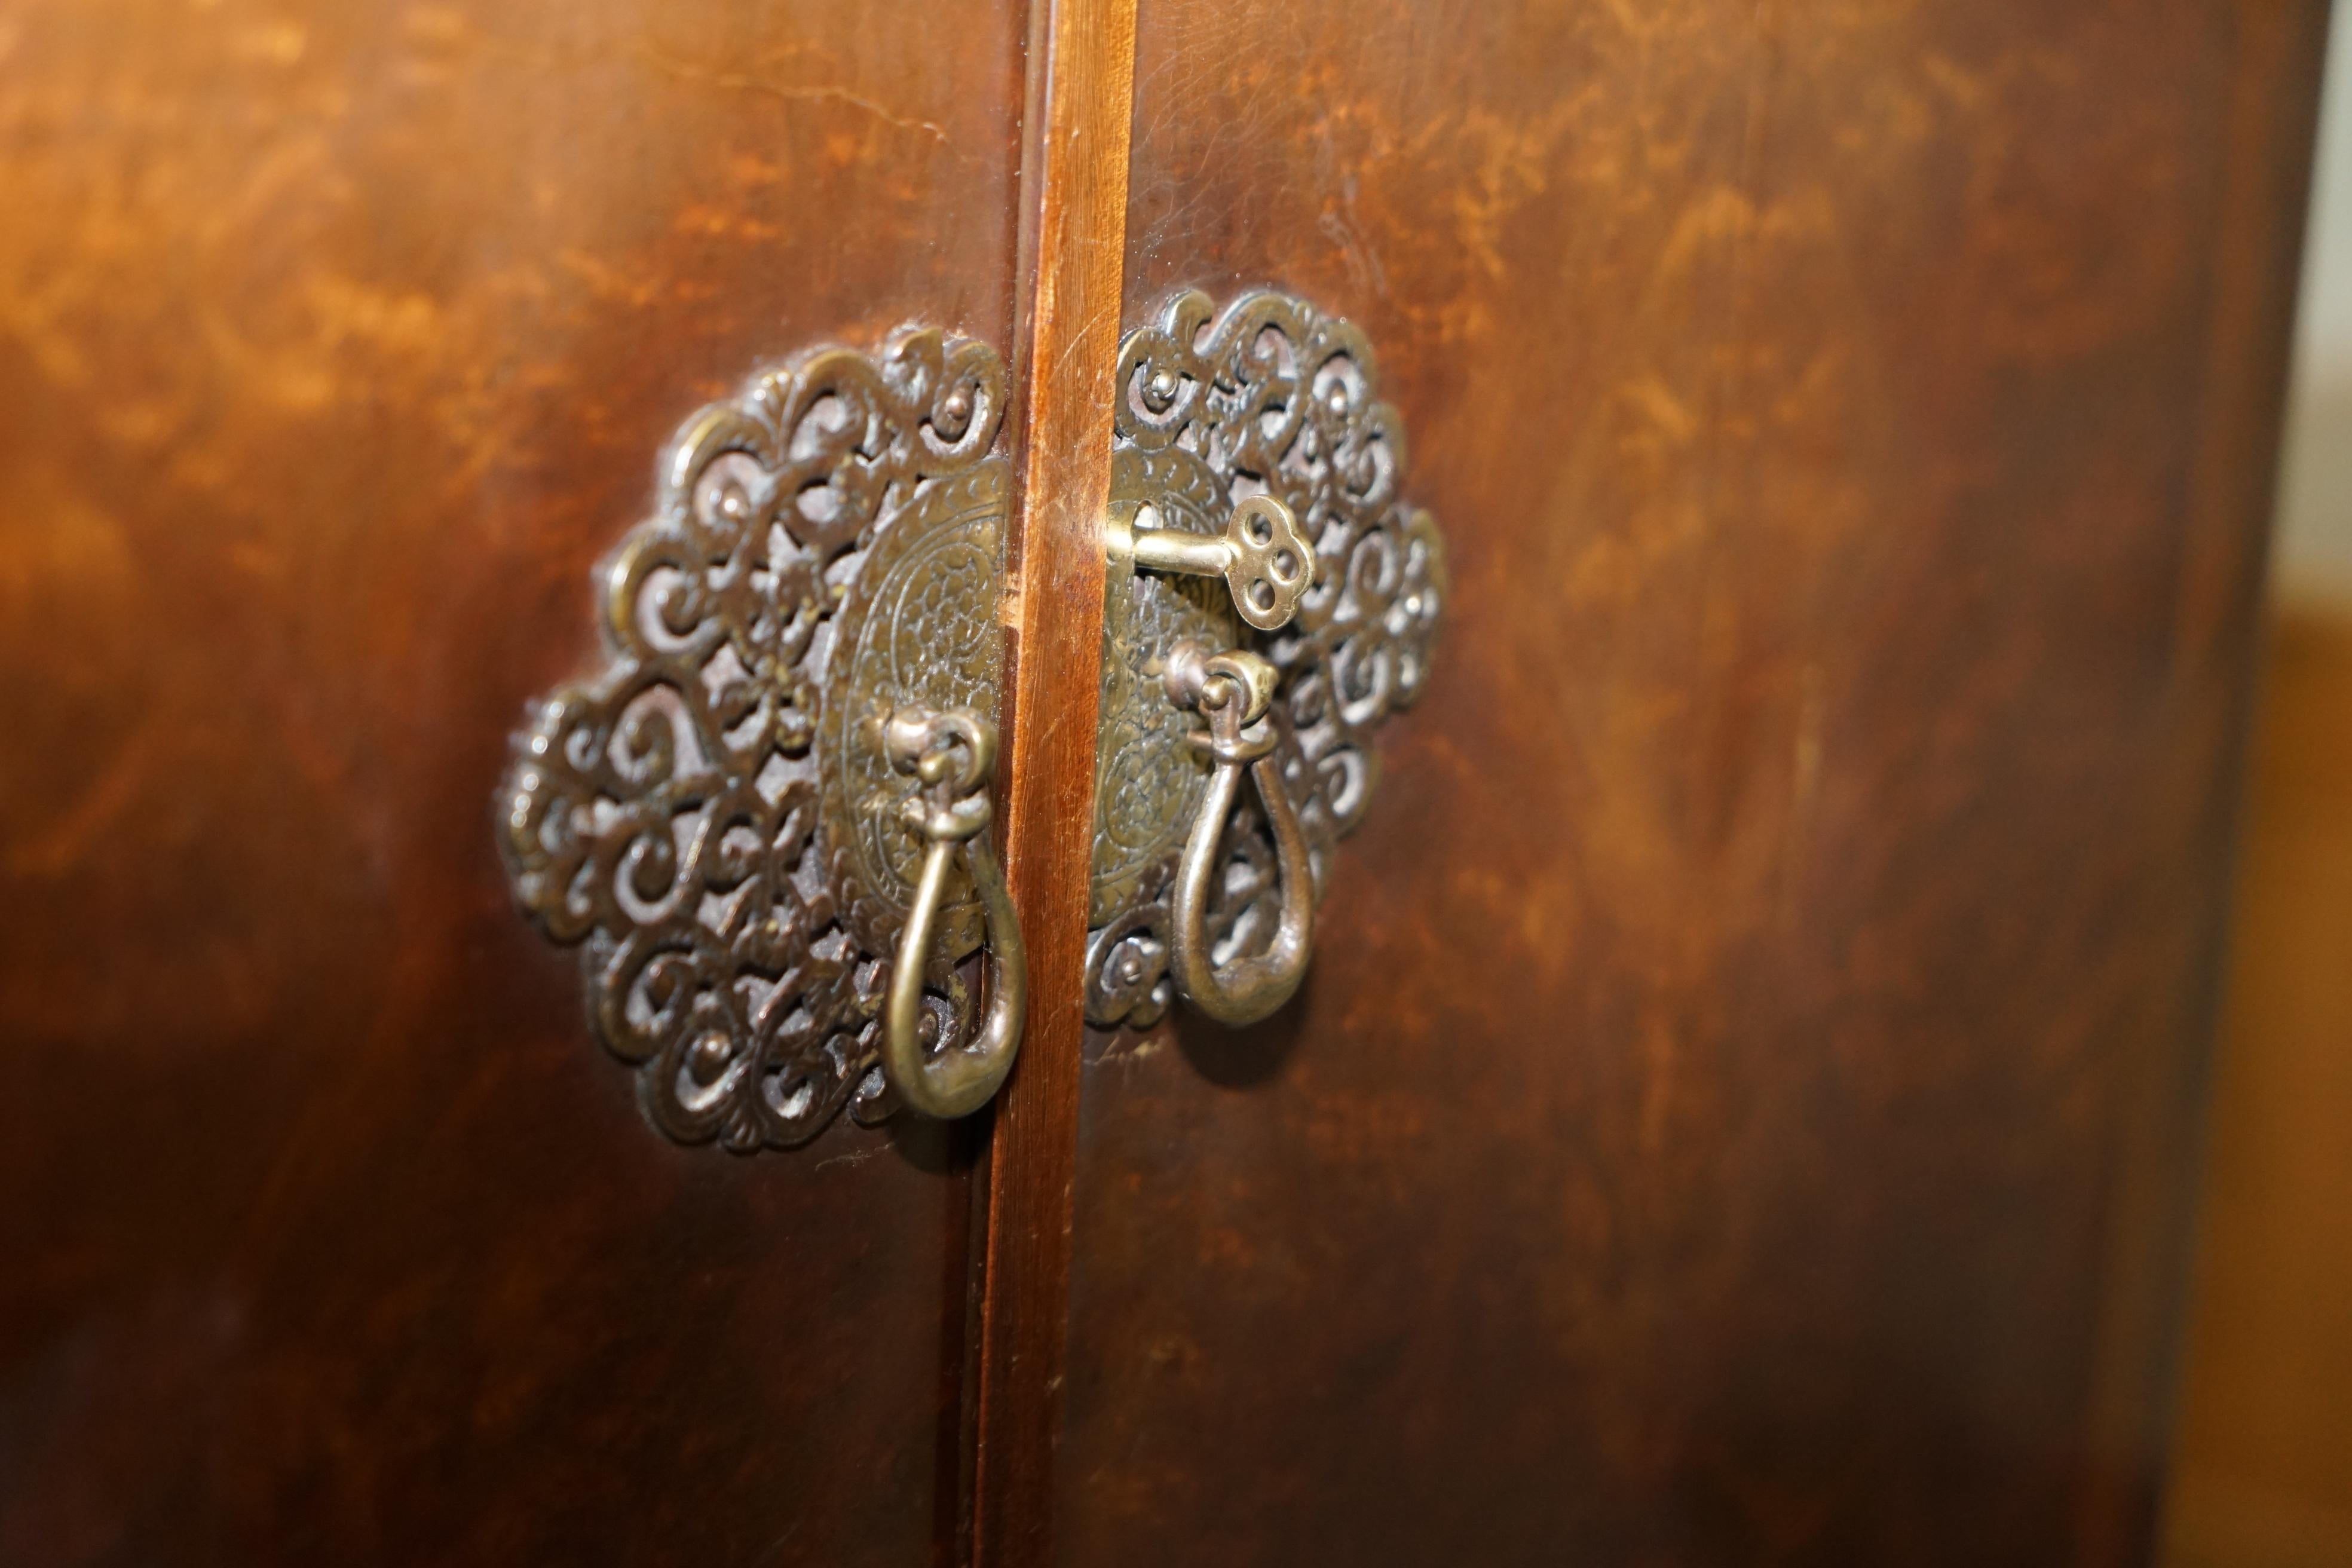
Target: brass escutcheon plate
x,y
712,816
1268,397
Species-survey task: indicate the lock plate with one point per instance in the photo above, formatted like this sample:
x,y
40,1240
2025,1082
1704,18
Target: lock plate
x,y
1148,782
712,817
1269,397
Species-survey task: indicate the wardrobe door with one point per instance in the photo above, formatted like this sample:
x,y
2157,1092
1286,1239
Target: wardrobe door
x,y
338,342
1741,1104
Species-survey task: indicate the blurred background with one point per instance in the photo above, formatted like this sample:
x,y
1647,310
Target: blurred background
x,y
2262,1473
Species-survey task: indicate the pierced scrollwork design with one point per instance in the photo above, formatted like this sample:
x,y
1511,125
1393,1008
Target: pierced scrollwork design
x,y
1269,397
710,816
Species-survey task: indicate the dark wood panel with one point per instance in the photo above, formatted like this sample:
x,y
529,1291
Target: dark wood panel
x,y
336,342
1739,1108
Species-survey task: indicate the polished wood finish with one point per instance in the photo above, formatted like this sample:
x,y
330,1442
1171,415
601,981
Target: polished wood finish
x,y
337,341
2264,1468
1074,210
1740,1109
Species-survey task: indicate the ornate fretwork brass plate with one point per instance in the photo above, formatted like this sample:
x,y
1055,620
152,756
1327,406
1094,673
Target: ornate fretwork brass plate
x,y
919,628
712,816
1271,397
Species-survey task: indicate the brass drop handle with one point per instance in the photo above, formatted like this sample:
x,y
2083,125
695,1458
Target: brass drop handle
x,y
1233,691
953,753
1263,556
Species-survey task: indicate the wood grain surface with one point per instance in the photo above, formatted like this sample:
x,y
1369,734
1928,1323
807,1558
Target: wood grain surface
x,y
1741,1108
337,342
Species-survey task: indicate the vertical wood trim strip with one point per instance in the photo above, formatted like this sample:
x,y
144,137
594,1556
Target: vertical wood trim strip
x,y
1073,244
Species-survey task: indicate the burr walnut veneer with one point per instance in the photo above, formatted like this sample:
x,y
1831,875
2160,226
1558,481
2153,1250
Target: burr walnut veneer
x,y
1742,1109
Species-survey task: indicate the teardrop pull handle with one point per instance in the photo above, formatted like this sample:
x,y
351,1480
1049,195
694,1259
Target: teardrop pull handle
x,y
1234,689
1263,556
953,753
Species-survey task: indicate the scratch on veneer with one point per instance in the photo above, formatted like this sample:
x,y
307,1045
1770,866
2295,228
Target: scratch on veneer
x,y
744,82
1127,1052
101,803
